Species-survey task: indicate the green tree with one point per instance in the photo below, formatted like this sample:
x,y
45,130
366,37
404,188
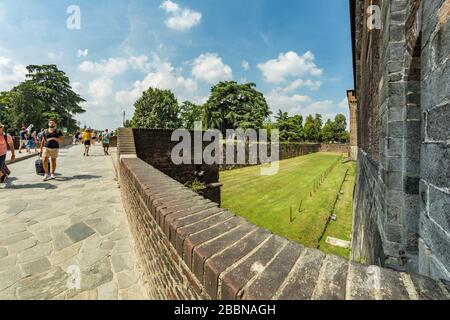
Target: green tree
x,y
297,122
46,93
291,128
309,130
232,105
328,132
318,123
190,113
340,133
156,109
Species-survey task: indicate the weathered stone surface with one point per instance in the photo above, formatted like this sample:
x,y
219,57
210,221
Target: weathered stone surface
x,y
79,232
37,244
270,280
36,267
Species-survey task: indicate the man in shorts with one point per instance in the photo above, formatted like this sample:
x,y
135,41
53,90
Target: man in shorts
x,y
5,141
52,137
106,136
87,138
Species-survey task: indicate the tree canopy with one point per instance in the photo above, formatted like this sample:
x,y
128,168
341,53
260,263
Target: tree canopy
x,y
156,109
46,93
190,113
232,105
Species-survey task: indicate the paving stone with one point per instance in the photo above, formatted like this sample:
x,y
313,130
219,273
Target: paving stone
x,y
79,232
100,273
36,267
15,238
121,262
108,291
42,242
3,252
62,241
65,254
126,279
105,227
10,229
43,286
9,277
135,292
37,252
8,262
22,245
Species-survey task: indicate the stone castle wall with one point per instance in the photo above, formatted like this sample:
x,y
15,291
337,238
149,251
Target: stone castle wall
x,y
402,196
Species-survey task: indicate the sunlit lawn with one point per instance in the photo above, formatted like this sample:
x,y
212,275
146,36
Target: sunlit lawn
x,y
266,200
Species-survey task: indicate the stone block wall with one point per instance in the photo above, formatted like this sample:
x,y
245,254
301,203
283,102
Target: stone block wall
x,y
190,248
403,92
434,189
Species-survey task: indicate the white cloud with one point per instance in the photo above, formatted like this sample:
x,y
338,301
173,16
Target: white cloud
x,y
82,53
77,87
170,7
289,64
299,104
299,83
139,63
10,74
288,103
100,88
115,66
245,65
163,76
107,68
210,68
344,104
180,19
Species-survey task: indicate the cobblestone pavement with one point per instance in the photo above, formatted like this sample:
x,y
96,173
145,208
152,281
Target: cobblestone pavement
x,y
53,232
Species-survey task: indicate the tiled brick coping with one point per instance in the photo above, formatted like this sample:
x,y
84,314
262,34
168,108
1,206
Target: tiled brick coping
x,y
192,249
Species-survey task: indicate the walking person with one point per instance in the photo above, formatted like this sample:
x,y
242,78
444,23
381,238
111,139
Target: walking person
x,y
87,137
5,141
22,139
52,137
106,136
30,136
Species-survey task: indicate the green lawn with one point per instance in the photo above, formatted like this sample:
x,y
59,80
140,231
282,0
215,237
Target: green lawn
x,y
266,200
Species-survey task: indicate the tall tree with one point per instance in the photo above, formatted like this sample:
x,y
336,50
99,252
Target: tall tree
x,y
297,122
309,129
340,128
328,132
232,105
318,123
190,113
156,109
46,93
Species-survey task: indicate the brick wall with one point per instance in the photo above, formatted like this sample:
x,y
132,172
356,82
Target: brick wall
x,y
154,146
192,249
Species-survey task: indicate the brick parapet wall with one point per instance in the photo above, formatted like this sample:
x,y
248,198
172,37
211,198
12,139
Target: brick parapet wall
x,y
192,249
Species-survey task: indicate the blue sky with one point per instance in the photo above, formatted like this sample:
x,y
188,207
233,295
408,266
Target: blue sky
x,y
297,52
